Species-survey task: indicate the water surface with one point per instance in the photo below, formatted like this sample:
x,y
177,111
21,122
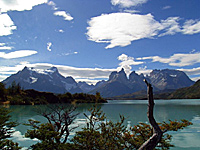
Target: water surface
x,y
135,111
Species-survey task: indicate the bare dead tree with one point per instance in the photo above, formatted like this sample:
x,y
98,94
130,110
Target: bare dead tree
x,y
152,142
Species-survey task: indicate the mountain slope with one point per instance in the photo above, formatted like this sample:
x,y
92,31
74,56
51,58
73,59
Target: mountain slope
x,y
192,92
169,79
161,80
49,80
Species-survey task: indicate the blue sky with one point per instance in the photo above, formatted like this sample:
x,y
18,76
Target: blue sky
x,y
88,39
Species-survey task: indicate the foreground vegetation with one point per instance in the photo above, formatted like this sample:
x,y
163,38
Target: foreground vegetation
x,y
15,95
97,134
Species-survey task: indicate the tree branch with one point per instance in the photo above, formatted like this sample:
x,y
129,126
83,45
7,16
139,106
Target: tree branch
x,y
151,143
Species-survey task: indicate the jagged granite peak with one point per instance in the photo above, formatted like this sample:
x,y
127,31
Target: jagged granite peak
x,y
134,76
118,76
85,87
50,80
70,80
169,79
166,79
100,83
136,81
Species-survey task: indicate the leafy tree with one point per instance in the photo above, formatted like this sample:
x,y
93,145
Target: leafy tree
x,y
3,94
53,134
100,133
6,130
14,88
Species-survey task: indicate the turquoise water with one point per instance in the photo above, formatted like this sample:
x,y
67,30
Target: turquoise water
x,y
135,111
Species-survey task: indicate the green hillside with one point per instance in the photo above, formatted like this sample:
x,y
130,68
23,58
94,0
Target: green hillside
x,y
192,92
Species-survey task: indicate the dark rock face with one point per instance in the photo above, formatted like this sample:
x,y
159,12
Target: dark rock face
x,y
119,84
50,80
169,79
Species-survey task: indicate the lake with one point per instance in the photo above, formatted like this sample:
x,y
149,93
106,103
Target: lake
x,y
135,111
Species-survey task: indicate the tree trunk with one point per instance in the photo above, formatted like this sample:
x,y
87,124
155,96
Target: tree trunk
x,y
151,143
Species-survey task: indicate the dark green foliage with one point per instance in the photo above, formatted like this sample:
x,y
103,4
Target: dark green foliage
x,y
102,134
98,133
2,92
6,129
15,95
142,132
14,88
81,98
54,134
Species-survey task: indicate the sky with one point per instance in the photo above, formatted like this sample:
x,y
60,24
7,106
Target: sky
x,y
88,39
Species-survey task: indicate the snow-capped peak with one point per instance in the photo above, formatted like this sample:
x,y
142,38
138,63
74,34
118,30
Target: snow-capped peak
x,y
42,71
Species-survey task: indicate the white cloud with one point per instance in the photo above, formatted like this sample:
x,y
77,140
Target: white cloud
x,y
6,25
193,71
191,27
178,60
49,44
69,53
61,31
128,3
63,14
170,26
90,75
127,62
17,54
2,44
19,5
6,48
195,78
143,70
88,81
51,3
166,7
119,29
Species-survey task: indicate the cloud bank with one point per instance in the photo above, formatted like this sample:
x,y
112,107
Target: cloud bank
x,y
4,47
120,29
90,75
127,62
128,3
19,5
178,60
17,54
6,25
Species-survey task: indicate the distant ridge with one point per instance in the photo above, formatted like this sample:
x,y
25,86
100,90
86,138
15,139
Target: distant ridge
x,y
50,80
161,80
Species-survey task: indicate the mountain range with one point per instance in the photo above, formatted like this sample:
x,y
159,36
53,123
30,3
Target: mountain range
x,y
50,80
